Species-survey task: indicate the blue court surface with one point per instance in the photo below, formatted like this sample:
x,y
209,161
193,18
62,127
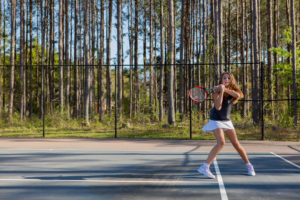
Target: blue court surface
x,y
54,174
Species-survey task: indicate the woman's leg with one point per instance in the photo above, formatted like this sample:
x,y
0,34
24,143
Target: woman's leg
x,y
219,134
231,134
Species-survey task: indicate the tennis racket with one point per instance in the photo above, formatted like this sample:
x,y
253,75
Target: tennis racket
x,y
199,94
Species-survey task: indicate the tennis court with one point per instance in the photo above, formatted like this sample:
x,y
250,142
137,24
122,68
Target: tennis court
x,y
144,169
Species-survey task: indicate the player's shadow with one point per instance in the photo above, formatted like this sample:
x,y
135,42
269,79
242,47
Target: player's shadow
x,y
174,168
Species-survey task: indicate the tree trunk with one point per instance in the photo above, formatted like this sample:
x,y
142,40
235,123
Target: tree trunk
x,y
171,116
22,67
76,88
37,56
92,58
30,63
61,60
137,87
50,50
108,74
270,61
276,46
4,59
151,94
220,24
256,61
289,59
155,79
101,72
87,67
229,39
243,111
52,87
181,67
247,59
162,67
130,27
1,67
145,59
175,67
12,58
67,57
295,107
226,32
187,56
120,56
216,42
204,58
43,27
236,42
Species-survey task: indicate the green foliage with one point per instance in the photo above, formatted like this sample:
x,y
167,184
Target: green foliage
x,y
288,35
285,119
283,52
285,69
142,126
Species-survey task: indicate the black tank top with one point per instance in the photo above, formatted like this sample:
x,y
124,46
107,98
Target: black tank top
x,y
224,113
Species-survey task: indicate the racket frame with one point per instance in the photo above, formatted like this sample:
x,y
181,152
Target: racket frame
x,y
205,90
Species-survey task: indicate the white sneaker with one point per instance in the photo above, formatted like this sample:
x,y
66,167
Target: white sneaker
x,y
250,169
205,171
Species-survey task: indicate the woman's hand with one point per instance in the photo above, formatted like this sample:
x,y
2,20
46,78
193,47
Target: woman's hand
x,y
222,88
219,88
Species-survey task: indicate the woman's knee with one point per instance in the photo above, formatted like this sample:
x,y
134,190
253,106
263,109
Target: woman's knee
x,y
233,138
221,143
219,134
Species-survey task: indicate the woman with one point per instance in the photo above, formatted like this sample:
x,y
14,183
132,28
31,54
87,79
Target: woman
x,y
225,94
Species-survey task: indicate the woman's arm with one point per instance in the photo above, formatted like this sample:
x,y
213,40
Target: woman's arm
x,y
218,97
232,93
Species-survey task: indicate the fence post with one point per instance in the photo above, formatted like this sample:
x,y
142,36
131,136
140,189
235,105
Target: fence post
x,y
262,100
190,102
116,114
43,99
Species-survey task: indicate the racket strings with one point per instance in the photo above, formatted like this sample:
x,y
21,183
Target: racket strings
x,y
198,94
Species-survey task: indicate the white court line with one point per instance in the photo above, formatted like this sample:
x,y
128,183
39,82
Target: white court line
x,y
103,181
220,181
295,165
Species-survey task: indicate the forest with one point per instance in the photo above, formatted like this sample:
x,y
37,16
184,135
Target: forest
x,y
88,60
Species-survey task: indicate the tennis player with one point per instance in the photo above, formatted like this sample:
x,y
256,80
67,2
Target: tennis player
x,y
225,94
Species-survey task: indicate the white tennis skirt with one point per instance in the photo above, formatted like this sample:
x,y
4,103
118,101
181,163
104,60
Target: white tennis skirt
x,y
212,125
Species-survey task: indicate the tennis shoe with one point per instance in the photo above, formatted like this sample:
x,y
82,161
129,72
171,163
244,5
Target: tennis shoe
x,y
205,171
250,169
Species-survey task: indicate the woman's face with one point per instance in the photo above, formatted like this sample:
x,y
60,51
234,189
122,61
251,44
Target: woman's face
x,y
226,80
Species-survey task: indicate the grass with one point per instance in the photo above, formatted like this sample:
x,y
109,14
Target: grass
x,y
58,126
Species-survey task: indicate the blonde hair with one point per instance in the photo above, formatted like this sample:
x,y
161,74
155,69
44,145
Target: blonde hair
x,y
232,86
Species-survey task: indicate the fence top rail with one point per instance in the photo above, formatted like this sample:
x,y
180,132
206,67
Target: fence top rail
x,y
154,64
